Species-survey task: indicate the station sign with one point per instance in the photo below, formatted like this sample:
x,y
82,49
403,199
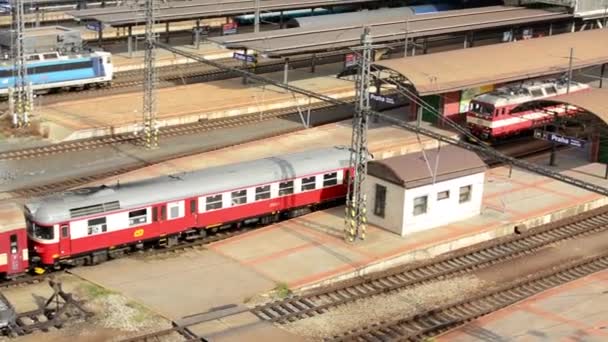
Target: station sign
x,y
244,57
381,98
560,139
350,60
230,28
94,26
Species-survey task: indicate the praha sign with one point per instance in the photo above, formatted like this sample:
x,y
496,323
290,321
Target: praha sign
x,y
560,139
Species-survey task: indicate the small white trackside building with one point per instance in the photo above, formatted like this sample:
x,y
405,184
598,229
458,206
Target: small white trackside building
x,y
420,191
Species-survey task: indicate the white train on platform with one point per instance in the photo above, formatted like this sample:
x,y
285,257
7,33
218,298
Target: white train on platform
x,y
52,70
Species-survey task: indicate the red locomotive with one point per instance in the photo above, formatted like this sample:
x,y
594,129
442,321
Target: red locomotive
x,y
499,113
91,225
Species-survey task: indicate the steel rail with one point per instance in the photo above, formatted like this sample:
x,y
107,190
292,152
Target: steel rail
x,y
430,323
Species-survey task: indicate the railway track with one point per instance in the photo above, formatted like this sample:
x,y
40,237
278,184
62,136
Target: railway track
x,y
431,323
164,132
451,265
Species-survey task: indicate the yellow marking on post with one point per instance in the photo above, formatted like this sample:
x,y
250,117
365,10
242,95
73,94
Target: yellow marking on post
x,y
39,270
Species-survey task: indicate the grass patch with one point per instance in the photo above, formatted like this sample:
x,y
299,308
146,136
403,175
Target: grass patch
x,y
142,312
282,290
94,291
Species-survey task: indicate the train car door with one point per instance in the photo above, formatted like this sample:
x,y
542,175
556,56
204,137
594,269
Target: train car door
x,y
14,255
64,240
98,67
193,212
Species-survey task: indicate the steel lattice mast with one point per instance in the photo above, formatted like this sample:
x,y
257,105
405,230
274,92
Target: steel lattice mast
x,y
22,103
356,215
150,129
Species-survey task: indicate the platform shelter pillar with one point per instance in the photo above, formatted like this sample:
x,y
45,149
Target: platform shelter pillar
x,y
130,40
286,71
602,70
167,32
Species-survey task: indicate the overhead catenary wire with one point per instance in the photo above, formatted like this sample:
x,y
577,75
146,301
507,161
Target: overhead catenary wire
x,y
406,125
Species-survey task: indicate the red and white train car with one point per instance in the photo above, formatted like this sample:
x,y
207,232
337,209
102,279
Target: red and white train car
x,y
91,224
499,114
13,241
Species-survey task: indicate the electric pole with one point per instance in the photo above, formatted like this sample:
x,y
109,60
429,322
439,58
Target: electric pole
x,y
356,215
22,104
150,129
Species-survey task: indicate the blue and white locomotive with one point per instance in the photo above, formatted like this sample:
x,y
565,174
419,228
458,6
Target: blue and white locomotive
x,y
51,70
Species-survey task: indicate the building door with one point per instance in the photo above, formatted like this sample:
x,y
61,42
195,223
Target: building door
x,y
14,259
64,240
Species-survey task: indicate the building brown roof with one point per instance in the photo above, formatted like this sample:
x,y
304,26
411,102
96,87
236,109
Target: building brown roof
x,y
467,68
412,170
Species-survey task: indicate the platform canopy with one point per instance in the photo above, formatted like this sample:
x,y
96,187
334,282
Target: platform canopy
x,y
198,9
346,34
593,101
493,64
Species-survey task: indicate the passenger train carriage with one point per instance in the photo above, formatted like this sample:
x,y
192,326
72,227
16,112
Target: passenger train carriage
x,y
51,70
14,254
499,113
88,225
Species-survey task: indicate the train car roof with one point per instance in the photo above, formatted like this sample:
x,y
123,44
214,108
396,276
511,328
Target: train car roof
x,y
62,207
11,217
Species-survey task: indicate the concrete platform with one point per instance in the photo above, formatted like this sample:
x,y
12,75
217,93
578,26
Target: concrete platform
x,y
572,312
124,61
82,119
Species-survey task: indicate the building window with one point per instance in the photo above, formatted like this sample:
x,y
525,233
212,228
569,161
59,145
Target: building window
x,y
138,217
420,205
308,183
465,194
97,226
262,192
213,202
380,203
330,179
239,197
286,188
443,195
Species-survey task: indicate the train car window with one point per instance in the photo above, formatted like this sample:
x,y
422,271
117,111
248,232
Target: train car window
x,y
50,56
443,195
213,202
64,231
309,183
43,232
550,90
59,67
262,192
286,188
154,214
537,92
163,212
192,206
33,58
96,226
330,179
14,246
6,73
174,212
239,197
138,217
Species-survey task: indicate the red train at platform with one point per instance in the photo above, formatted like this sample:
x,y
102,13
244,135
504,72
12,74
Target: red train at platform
x,y
504,112
90,225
